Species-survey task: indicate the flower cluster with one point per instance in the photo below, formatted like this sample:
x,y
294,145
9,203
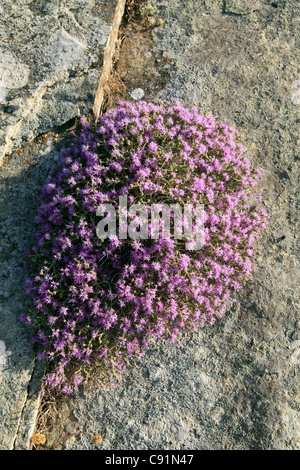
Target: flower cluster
x,y
102,301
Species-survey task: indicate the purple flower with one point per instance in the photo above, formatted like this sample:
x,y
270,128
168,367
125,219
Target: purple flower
x,y
106,300
152,147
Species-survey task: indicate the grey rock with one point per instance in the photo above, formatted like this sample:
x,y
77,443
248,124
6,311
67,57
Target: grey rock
x,y
232,386
13,74
137,94
240,7
2,356
64,50
49,71
235,385
48,50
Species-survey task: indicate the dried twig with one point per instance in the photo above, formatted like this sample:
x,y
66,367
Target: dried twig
x,y
108,58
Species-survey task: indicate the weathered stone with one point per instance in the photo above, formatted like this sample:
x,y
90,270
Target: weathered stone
x,y
18,205
13,74
235,385
240,7
137,93
232,386
48,51
49,71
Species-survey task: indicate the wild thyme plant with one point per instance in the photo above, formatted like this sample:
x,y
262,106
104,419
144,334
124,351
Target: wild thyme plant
x,y
102,302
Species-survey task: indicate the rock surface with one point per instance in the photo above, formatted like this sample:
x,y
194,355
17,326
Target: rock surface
x,y
50,63
49,71
234,385
21,177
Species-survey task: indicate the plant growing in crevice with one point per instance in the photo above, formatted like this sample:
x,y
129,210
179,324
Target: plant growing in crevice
x,y
102,302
